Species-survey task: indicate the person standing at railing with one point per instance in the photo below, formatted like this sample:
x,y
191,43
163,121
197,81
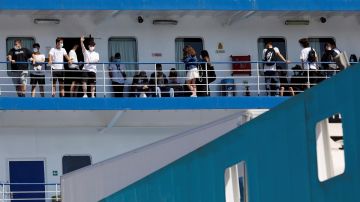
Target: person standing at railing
x,y
56,55
74,70
190,61
117,75
270,55
309,58
37,74
19,71
89,70
207,74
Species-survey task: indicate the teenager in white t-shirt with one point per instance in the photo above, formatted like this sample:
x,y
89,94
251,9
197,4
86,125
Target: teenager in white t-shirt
x,y
56,55
37,73
89,70
270,56
74,73
309,66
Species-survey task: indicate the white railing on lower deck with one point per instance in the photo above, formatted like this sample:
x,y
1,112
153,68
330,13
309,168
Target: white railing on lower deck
x,y
229,82
52,192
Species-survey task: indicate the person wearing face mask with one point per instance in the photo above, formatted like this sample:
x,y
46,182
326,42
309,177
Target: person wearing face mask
x,y
19,71
37,74
56,56
117,75
89,70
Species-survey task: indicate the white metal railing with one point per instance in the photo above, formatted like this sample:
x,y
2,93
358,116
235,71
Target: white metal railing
x,y
229,82
50,192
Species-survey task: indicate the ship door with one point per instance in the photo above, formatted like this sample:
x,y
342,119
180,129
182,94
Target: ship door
x,y
27,172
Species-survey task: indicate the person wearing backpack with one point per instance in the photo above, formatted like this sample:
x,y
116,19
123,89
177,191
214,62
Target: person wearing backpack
x,y
308,59
328,66
270,56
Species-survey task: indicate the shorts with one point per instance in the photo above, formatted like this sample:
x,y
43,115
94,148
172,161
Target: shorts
x,y
58,75
89,77
20,76
37,79
74,75
192,74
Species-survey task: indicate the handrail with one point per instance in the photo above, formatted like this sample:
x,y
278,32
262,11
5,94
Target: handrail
x,y
51,192
255,83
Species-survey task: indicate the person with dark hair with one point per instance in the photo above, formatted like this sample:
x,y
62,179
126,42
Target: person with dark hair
x,y
117,75
56,55
158,82
191,68
308,59
206,74
37,74
270,56
328,69
74,74
89,70
19,71
140,85
175,88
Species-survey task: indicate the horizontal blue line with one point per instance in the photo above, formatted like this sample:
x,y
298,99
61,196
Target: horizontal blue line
x,y
181,103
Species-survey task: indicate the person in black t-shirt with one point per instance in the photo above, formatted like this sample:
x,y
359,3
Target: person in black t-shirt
x,y
19,71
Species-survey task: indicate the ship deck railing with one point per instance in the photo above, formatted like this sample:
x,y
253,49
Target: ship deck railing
x,y
241,81
26,192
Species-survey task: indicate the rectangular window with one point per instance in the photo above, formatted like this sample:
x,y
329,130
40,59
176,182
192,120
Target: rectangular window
x,y
71,163
236,183
127,47
330,147
180,43
27,42
278,42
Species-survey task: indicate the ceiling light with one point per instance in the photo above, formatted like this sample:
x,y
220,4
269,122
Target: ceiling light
x,y
46,21
165,22
297,22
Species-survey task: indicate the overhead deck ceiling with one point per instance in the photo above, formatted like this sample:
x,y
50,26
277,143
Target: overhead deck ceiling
x,y
256,5
224,16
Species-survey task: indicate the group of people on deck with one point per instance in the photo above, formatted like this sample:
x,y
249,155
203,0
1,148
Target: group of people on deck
x,y
198,75
158,85
19,57
304,75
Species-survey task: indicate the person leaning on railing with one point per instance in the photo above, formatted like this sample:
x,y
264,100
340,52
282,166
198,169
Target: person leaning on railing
x,y
19,71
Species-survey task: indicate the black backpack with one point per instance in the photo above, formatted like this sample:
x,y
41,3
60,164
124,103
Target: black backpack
x,y
269,57
311,56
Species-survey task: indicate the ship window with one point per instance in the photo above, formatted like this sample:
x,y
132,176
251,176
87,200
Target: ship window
x,y
180,43
278,42
319,44
127,47
71,163
236,183
330,147
27,42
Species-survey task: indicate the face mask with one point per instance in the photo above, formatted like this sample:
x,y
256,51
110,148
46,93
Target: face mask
x,y
16,48
117,60
35,50
91,48
61,45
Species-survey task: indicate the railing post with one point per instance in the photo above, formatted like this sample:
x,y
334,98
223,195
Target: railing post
x,y
207,78
3,192
308,77
258,77
104,77
56,192
156,92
